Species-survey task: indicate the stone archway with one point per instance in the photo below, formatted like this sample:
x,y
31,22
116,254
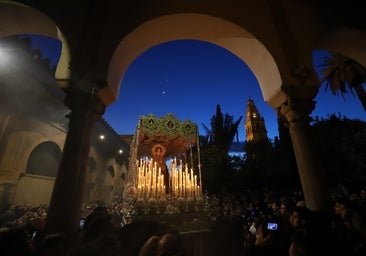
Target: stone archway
x,y
196,27
289,92
44,160
35,22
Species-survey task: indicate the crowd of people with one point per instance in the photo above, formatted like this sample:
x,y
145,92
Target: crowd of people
x,y
252,223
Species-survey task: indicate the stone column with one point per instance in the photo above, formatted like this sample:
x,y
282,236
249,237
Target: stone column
x,y
311,172
64,208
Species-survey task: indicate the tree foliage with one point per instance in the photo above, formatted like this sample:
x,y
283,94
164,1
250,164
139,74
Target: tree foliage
x,y
269,165
342,145
342,148
216,167
223,130
340,72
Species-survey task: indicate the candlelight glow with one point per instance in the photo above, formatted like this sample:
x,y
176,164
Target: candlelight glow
x,y
150,182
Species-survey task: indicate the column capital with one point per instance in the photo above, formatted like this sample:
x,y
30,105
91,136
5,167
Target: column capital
x,y
296,110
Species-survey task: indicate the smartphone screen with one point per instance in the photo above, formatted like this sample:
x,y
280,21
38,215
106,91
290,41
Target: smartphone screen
x,y
33,235
82,222
272,226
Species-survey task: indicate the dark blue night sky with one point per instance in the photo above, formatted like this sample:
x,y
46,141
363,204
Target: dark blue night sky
x,y
189,78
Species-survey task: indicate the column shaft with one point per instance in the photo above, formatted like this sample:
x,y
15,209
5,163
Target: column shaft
x,y
64,209
310,167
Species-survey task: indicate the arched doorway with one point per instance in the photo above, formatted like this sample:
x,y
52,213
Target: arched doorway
x,y
44,160
35,186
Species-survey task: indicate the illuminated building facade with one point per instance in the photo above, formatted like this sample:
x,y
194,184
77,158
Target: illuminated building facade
x,y
255,128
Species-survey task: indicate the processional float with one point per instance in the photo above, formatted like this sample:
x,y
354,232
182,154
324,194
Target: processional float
x,y
164,170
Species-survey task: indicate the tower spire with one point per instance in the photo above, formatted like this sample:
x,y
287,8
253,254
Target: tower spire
x,y
255,128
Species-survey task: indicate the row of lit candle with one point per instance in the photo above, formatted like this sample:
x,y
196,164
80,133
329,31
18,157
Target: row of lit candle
x,y
183,181
150,181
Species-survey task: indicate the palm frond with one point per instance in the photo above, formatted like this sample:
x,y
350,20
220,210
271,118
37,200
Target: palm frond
x,y
339,73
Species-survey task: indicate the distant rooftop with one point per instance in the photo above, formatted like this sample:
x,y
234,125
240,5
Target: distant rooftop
x,y
127,138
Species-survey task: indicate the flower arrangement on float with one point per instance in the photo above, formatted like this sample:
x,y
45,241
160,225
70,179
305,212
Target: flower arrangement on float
x,y
191,204
140,205
200,203
181,204
152,205
162,205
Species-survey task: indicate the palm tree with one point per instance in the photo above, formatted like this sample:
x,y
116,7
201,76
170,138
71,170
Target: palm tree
x,y
216,168
223,130
341,72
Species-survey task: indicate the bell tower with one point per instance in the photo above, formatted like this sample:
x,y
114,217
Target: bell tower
x,y
255,128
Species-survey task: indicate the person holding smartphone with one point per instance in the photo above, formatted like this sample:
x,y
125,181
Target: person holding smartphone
x,y
269,241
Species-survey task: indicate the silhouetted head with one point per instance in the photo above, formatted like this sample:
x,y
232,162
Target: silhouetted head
x,y
169,244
